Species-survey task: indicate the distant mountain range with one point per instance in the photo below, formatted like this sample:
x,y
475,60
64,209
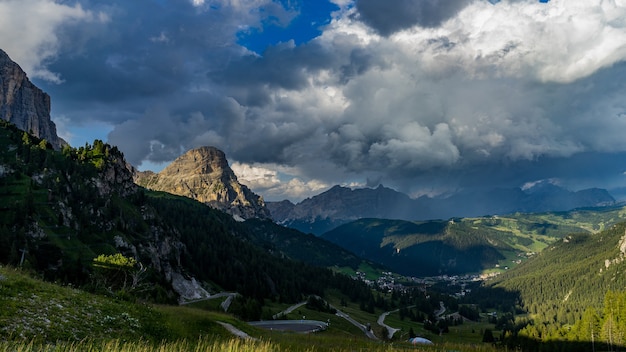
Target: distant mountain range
x,y
340,205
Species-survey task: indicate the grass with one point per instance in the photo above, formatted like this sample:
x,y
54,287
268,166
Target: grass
x,y
39,311
201,344
371,272
40,316
231,345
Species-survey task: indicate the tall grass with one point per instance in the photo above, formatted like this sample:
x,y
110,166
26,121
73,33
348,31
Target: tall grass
x,y
202,345
211,345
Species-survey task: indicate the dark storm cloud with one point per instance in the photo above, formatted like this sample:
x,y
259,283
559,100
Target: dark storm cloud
x,y
147,51
252,79
496,95
388,17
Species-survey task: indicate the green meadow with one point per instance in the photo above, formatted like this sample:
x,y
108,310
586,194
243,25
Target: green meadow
x,y
42,316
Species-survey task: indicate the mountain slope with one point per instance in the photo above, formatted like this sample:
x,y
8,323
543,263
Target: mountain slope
x,y
340,205
573,292
420,248
469,245
203,174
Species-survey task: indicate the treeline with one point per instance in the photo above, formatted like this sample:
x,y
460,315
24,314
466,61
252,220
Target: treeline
x,y
597,329
216,250
295,244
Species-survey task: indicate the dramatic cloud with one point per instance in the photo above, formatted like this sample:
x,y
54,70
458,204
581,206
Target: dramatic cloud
x,y
29,32
426,96
267,182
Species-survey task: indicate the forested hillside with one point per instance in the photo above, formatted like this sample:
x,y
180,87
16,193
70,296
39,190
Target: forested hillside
x,y
573,291
60,210
468,245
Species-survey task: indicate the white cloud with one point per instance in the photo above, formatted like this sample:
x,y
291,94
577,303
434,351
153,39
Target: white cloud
x,y
266,181
255,177
494,84
560,41
28,32
296,189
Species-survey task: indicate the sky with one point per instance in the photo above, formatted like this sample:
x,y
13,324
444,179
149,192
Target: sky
x,y
428,97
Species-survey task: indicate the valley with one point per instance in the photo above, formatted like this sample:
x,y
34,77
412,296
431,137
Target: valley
x,y
484,277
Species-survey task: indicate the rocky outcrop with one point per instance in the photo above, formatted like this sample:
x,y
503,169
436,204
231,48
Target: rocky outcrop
x,y
203,174
25,105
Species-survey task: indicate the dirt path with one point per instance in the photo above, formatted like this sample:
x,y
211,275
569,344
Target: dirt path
x,y
288,310
233,330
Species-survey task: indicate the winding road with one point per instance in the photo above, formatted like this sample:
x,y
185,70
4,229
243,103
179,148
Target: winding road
x,y
363,328
288,310
381,321
339,313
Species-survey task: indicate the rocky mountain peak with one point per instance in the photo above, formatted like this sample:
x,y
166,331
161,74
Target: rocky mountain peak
x,y
25,105
201,161
203,174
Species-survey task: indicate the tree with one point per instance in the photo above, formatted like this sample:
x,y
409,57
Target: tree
x,y
117,272
588,327
488,336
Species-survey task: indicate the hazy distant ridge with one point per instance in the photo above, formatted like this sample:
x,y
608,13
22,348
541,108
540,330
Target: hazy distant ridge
x,y
339,205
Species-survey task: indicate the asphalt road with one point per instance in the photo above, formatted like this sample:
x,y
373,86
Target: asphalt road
x,y
291,325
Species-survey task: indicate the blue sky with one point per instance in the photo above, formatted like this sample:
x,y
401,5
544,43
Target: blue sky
x,y
428,97
306,25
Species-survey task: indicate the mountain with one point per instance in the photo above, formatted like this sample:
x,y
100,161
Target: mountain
x,y
25,105
465,245
63,214
340,205
203,174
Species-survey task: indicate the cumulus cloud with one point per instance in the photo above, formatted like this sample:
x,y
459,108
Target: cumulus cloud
x,y
267,181
256,177
425,96
29,32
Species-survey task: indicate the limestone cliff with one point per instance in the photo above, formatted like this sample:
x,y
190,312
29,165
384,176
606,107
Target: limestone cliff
x,y
25,105
203,174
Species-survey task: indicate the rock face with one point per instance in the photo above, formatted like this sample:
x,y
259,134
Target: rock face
x,y
203,174
25,105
